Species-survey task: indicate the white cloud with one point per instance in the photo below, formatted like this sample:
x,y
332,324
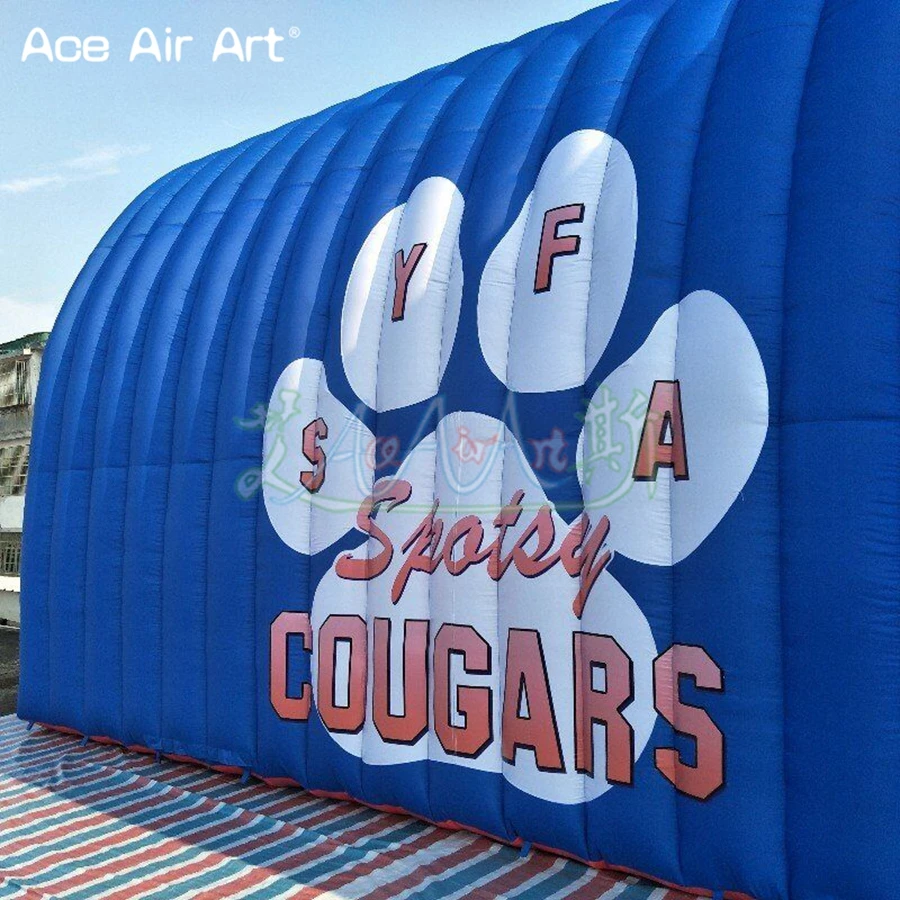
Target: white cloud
x,y
19,317
105,159
25,185
96,163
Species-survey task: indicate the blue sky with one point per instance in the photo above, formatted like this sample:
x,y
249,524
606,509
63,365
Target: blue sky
x,y
82,139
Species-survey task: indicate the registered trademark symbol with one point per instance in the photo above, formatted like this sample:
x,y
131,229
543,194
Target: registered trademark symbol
x,y
294,31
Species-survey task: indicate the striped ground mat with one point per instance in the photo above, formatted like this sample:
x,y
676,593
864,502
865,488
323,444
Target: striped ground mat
x,y
81,821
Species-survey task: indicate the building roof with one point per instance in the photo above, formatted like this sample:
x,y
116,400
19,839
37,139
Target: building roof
x,y
28,342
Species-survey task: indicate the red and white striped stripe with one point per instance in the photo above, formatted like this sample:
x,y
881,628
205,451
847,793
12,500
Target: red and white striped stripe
x,y
50,787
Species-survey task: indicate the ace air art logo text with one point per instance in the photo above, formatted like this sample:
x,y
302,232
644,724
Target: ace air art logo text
x,y
475,619
162,46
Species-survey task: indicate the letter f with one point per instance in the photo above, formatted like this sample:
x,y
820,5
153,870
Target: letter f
x,y
553,245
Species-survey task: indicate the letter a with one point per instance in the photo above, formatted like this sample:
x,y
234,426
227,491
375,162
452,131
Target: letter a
x,y
137,47
234,48
41,49
662,439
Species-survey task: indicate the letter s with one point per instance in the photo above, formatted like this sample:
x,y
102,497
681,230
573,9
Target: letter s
x,y
316,431
394,492
707,775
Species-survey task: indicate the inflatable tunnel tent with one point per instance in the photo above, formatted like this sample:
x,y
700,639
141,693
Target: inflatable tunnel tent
x,y
515,446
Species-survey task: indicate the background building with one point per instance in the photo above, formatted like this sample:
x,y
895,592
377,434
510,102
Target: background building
x,y
20,368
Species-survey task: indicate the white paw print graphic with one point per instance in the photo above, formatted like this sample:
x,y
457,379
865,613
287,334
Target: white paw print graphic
x,y
469,574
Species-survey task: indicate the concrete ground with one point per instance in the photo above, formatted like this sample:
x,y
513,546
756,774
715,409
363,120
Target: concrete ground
x,y
9,669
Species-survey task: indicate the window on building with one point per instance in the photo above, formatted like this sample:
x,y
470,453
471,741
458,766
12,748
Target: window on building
x,y
22,392
14,387
13,470
10,552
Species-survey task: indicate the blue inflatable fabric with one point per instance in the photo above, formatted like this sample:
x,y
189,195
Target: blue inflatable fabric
x,y
516,446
